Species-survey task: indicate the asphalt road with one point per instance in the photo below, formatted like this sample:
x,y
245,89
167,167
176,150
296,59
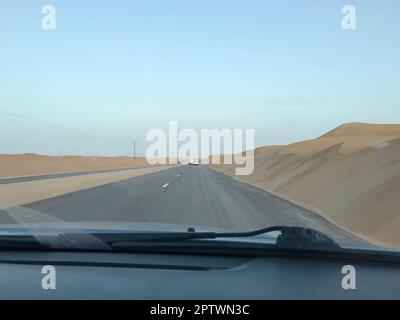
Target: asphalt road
x,y
188,195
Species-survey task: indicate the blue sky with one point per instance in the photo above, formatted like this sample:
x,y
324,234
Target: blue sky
x,y
114,69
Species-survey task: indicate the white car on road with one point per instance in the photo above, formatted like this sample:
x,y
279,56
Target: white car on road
x,y
194,162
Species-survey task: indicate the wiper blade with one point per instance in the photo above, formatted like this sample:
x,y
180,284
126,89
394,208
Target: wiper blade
x,y
49,240
305,239
289,238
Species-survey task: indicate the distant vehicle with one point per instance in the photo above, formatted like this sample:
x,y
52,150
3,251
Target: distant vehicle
x,y
194,162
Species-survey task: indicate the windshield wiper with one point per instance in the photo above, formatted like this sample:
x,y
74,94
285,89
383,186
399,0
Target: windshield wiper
x,y
289,238
48,240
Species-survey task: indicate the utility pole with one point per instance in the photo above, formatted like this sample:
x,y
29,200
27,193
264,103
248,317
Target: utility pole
x,y
134,142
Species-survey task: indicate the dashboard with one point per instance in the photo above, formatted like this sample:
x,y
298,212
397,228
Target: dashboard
x,y
98,275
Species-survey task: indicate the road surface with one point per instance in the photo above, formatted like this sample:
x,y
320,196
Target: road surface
x,y
190,195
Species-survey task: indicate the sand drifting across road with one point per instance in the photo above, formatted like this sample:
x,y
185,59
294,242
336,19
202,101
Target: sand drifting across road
x,y
351,176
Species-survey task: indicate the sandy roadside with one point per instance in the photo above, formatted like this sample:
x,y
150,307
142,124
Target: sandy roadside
x,y
17,194
351,176
35,164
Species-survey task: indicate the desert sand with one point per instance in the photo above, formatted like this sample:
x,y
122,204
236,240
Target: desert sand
x,y
34,164
350,175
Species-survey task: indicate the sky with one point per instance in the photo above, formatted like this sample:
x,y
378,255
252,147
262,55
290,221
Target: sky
x,y
112,70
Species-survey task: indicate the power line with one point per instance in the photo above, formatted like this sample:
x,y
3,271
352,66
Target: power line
x,y
46,124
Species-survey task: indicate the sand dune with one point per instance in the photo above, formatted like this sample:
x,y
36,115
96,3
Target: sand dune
x,y
351,175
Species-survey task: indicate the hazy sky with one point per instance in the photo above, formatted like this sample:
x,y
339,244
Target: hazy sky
x,y
114,69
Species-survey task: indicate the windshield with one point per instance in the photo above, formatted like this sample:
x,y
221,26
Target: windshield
x,y
200,116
